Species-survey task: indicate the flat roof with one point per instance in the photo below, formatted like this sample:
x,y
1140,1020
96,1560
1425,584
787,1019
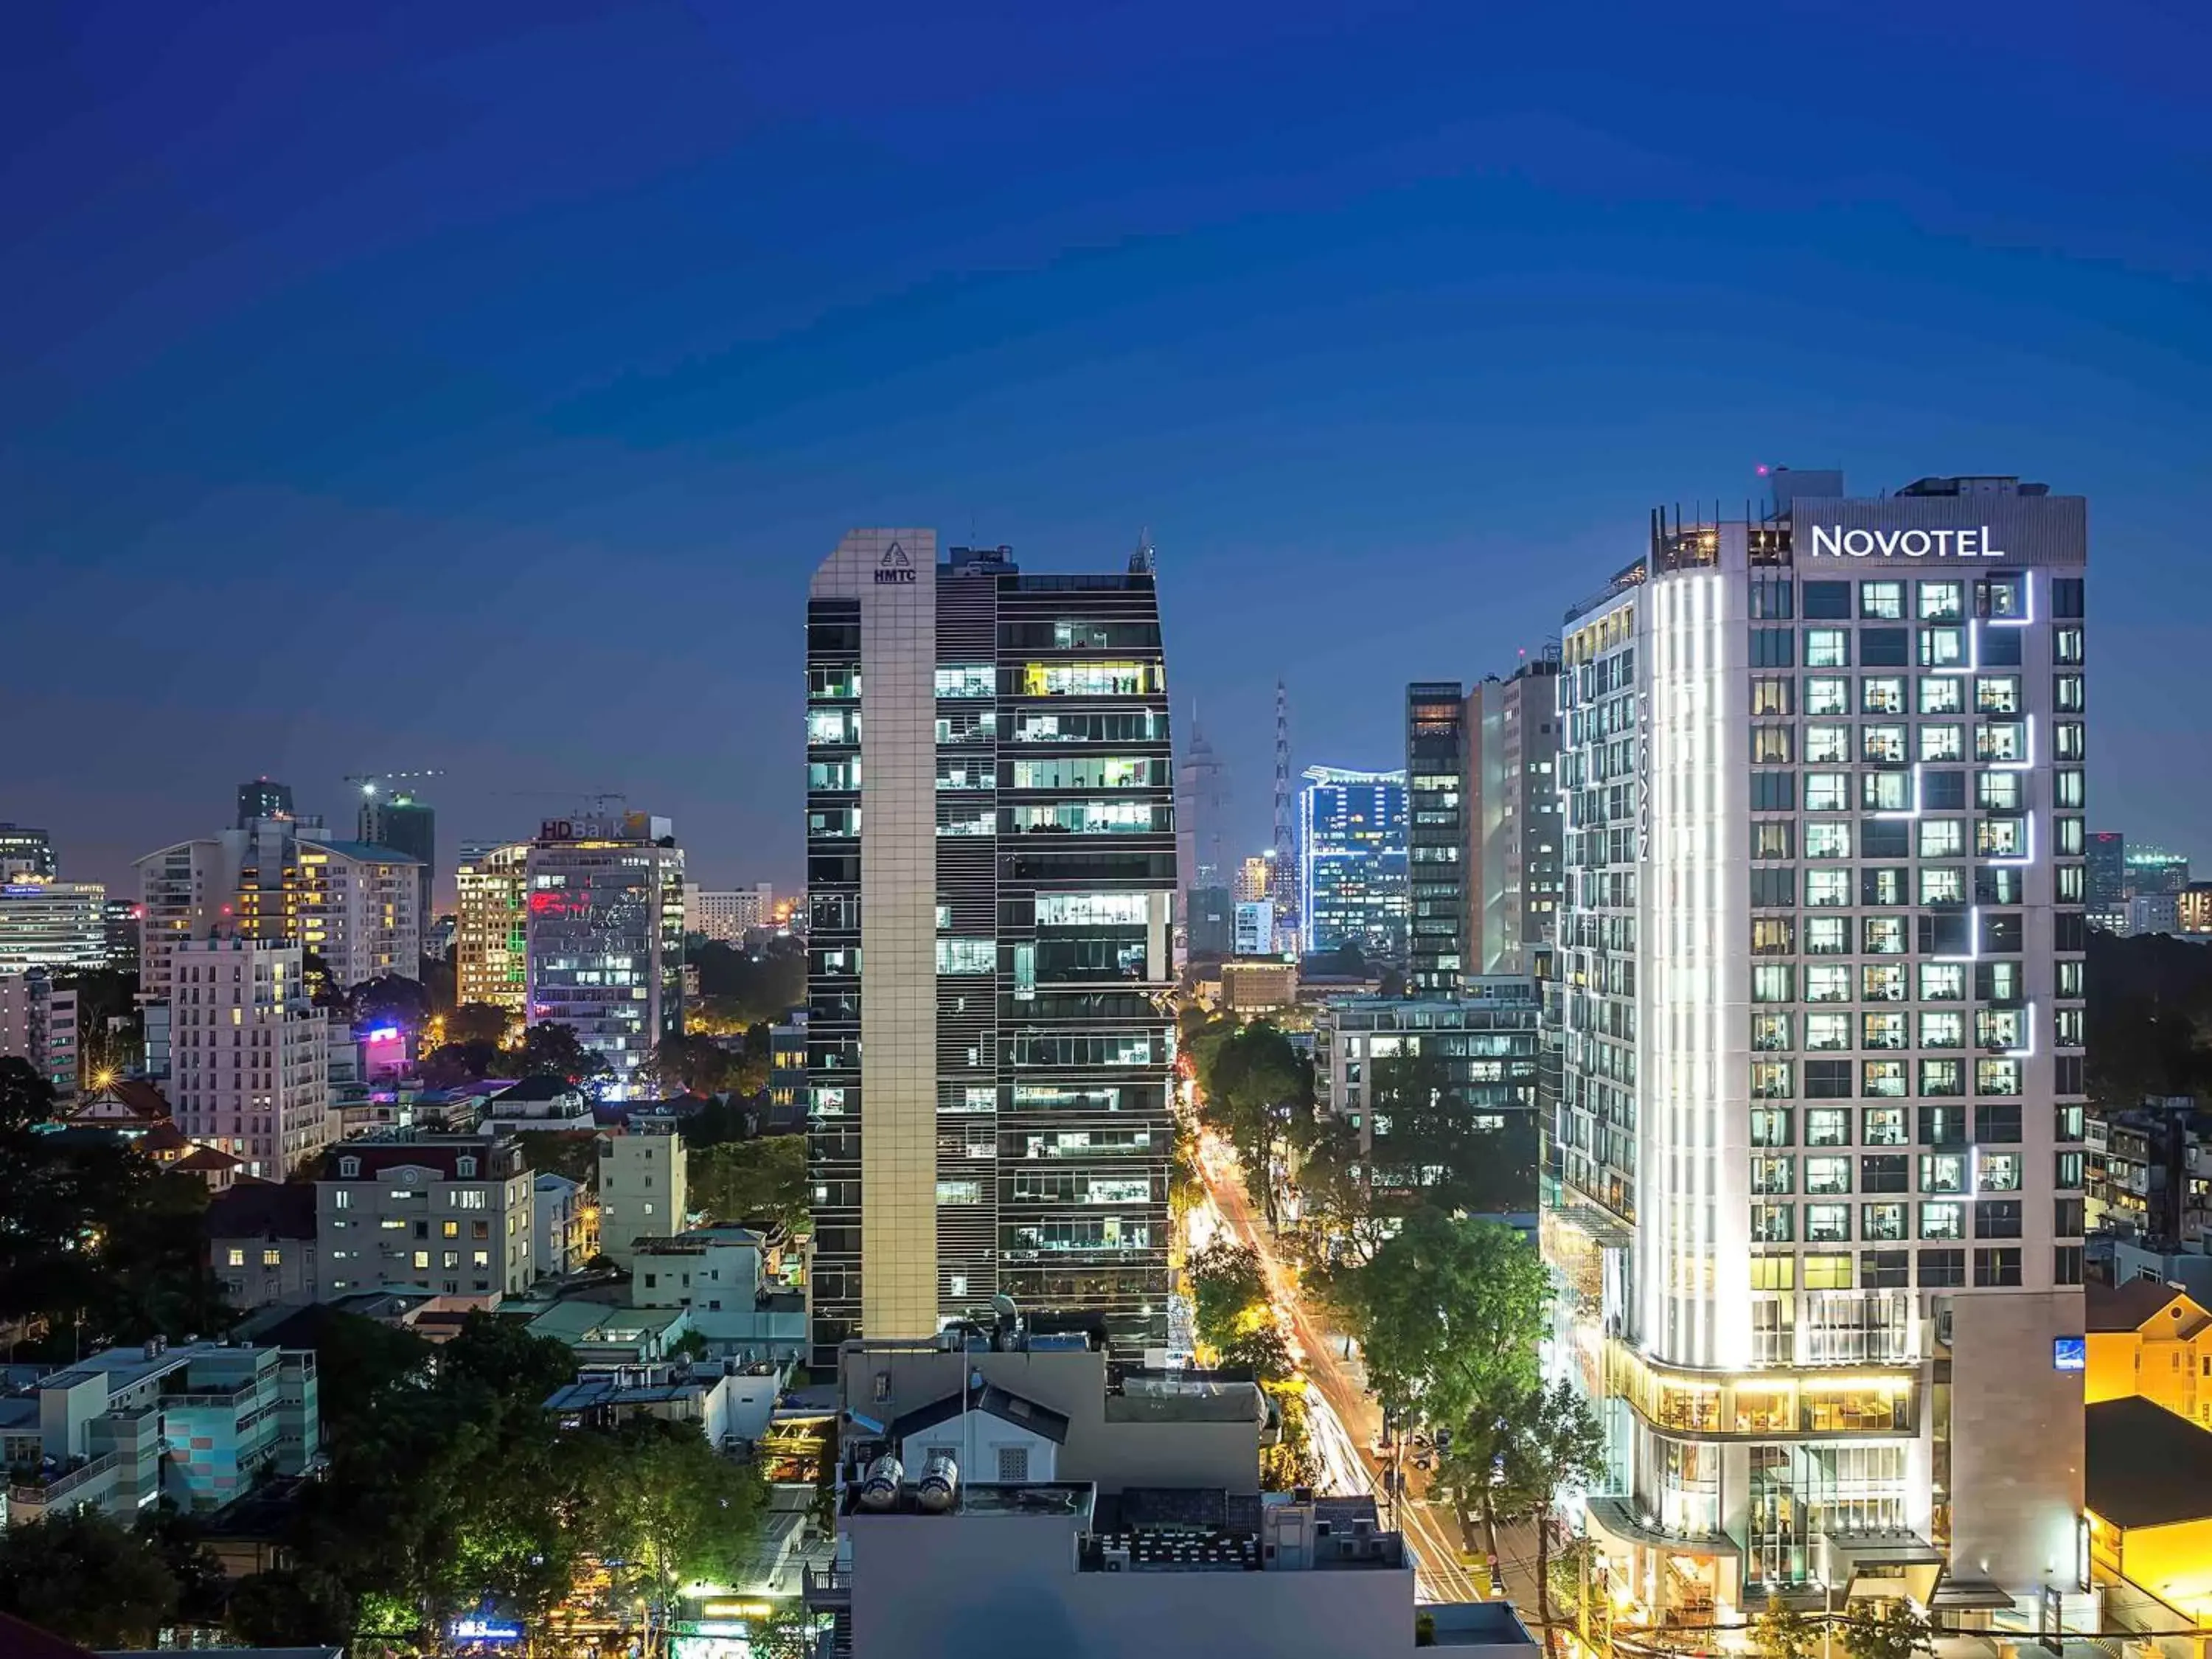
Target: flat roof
x,y
2146,1467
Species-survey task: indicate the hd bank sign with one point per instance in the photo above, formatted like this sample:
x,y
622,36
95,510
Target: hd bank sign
x,y
1834,542
895,568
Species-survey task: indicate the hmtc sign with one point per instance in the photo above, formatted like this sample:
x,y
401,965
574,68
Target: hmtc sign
x,y
895,568
1834,542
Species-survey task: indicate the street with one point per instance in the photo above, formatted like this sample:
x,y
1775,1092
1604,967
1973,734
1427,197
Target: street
x,y
1347,1420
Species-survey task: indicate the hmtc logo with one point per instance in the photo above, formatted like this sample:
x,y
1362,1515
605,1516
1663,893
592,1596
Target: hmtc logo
x,y
1835,542
895,569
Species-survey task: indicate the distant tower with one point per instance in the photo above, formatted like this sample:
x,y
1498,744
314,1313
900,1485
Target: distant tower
x,y
1286,857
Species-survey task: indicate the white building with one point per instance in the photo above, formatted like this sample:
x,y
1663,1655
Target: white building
x,y
37,1023
721,1273
643,1187
567,1225
1820,1138
454,1216
606,937
359,908
52,924
249,1066
491,925
726,914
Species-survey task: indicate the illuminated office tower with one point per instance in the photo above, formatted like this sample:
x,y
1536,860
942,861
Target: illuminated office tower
x,y
1816,1185
1352,861
990,882
491,925
2108,880
2153,870
605,937
1437,838
52,924
1514,835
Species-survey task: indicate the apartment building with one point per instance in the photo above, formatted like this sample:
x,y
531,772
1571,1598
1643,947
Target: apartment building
x,y
453,1215
491,926
248,1063
38,1023
643,1186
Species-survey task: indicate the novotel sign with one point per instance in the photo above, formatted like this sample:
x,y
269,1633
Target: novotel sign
x,y
1835,542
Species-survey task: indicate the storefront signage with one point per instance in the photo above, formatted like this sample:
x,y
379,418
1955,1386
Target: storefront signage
x,y
1833,541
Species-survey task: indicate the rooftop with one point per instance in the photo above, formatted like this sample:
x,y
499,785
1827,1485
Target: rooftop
x,y
2130,1306
2146,1467
996,1401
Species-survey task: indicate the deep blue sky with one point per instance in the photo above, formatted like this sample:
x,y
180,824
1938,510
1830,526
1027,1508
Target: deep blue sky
x,y
474,385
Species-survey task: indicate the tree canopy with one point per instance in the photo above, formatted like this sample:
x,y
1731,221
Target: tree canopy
x,y
741,1180
553,1049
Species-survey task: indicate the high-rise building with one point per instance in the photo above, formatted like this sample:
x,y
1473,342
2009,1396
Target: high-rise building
x,y
491,926
37,1023
409,826
120,919
262,799
1256,880
248,1065
990,940
605,937
354,906
1437,838
2108,880
1819,1153
52,924
1351,859
26,852
183,892
2153,870
1514,835
726,914
1201,822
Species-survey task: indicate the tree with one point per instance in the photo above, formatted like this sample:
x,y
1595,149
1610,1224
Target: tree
x,y
457,1065
571,1152
672,1510
87,1580
478,1022
1893,1631
390,999
752,1180
290,1606
1226,1285
1262,1350
1251,1084
180,1544
1551,1443
748,987
553,1051
1781,1632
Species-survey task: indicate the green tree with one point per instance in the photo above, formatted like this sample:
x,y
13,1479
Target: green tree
x,y
290,1606
673,1511
1251,1084
1552,1441
1262,1350
478,1022
1781,1632
180,1543
390,999
86,1580
1894,1630
553,1051
1226,1283
752,1180
457,1065
571,1152
749,987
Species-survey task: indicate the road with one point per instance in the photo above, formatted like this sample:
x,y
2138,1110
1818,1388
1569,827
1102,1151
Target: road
x,y
1347,1420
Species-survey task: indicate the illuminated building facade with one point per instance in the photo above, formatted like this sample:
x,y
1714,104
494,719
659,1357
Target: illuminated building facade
x,y
1816,1175
1437,837
727,915
26,852
2108,880
2153,870
38,1023
52,924
491,926
1351,859
991,881
409,826
604,937
249,1071
1515,841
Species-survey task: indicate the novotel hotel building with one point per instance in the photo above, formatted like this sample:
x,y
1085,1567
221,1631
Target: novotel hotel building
x,y
1814,1181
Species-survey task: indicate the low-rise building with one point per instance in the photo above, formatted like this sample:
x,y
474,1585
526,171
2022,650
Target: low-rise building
x,y
450,1215
2148,1498
261,1243
122,1427
538,1104
725,1275
606,1334
643,1186
568,1222
733,1408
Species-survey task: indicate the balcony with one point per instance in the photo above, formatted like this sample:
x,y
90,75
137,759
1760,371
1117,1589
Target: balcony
x,y
827,1590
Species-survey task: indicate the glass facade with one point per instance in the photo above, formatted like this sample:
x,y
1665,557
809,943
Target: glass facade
x,y
1352,861
1437,838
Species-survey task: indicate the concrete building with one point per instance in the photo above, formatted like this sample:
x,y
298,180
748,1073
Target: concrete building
x,y
358,908
261,1243
1201,802
2149,1173
566,1220
2148,1517
407,825
2193,909
37,1023
52,924
1256,879
264,798
1437,757
726,914
2154,870
731,1409
1210,931
2153,913
491,926
605,937
2108,880
25,852
538,1104
249,1067
452,1215
2151,1341
1351,859
721,1273
195,1424
1818,1161
1097,1517
991,877
1258,987
643,1187
1515,839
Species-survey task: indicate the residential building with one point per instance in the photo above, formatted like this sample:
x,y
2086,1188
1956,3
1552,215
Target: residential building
x,y
2153,870
1819,1153
2148,1172
733,1410
2147,1522
2193,908
643,1187
27,852
725,1275
988,1046
726,914
2149,1340
262,799
2108,880
566,1220
1254,928
37,1023
195,1424
1352,857
1256,879
184,892
249,1066
605,937
451,1214
1120,1515
1515,839
787,1067
491,926
357,906
538,1104
410,826
2153,913
52,924
1437,789
261,1243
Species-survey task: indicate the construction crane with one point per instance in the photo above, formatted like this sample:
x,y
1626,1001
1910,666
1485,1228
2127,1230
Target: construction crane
x,y
370,780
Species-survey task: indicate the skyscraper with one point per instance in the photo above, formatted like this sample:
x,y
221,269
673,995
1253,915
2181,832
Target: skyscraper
x,y
491,926
605,937
52,924
262,799
409,826
2153,870
1437,837
1352,861
250,1064
1819,1155
1201,824
26,852
2108,880
1514,836
991,877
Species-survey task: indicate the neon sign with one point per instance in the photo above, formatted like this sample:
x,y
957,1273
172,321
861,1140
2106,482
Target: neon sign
x,y
1836,542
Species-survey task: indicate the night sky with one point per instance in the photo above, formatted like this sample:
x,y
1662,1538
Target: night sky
x,y
476,386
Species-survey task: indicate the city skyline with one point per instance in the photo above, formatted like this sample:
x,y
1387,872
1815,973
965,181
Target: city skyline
x,y
1485,291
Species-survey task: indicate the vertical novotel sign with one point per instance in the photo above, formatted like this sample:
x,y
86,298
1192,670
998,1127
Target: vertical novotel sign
x,y
1833,541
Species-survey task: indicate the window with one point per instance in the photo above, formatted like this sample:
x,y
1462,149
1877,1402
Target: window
x,y
237,1257
1771,982
1944,742
1882,695
1827,647
1996,694
1827,694
1772,838
2067,1259
967,956
1771,936
1880,1031
1884,884
1996,1126
1941,888
1997,1077
1828,1032
1773,792
2067,695
1773,1224
1881,1223
2067,646
1997,1267
1827,601
1827,1176
1827,744
349,1168
1774,1176
464,1169
1773,695
1942,648
1885,1270
1769,1125
1943,982
1884,647
1013,1465
1939,1078
1770,745
1882,982
1943,1269
1828,888
1827,841
2067,742
1883,1126
1772,648
1827,936
1942,694
1941,601
1827,984
1827,1272
1827,1079
1996,1218
1882,601
1942,1220
1942,1172
1828,792
1882,744
1828,1126
1769,1033
1885,792
1827,1224
1884,1172
1882,1079
1773,1080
